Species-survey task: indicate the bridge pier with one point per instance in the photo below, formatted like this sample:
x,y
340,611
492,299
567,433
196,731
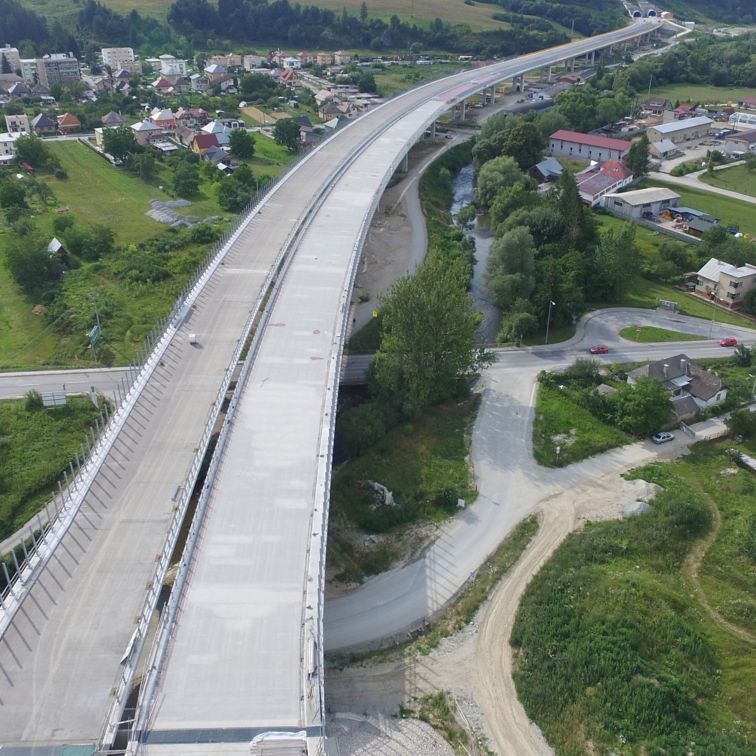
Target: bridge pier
x,y
404,165
550,77
493,94
464,110
519,83
572,64
433,130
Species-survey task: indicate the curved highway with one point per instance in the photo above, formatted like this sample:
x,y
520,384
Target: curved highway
x,y
62,655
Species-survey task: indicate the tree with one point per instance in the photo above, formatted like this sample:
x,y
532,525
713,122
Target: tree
x,y
366,83
577,218
186,180
30,264
119,142
31,149
286,133
242,144
495,176
361,427
637,157
525,144
143,164
742,422
428,343
12,194
510,273
642,408
233,195
616,263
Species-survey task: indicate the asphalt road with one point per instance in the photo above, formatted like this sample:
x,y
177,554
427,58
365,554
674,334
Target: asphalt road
x,y
103,380
692,182
510,484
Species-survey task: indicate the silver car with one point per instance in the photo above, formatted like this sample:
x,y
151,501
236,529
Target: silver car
x,y
662,437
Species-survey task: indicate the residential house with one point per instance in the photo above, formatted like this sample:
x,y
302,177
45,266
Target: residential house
x,y
203,142
162,85
29,70
199,83
276,57
118,58
112,120
324,59
68,123
680,131
55,247
641,203
597,180
306,58
217,156
19,91
323,95
221,130
233,60
342,58
8,148
252,62
657,105
329,110
547,170
145,132
688,384
291,62
43,124
684,111
184,135
172,66
18,124
192,118
740,144
746,102
587,147
288,78
215,71
724,283
163,118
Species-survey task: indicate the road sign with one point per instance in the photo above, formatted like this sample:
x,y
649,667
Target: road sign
x,y
95,335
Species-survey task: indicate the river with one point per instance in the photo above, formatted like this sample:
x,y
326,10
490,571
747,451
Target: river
x,y
462,188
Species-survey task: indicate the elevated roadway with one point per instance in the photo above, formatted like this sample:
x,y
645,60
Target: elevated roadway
x,y
240,653
73,631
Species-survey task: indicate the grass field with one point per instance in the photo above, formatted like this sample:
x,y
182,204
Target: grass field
x,y
702,93
38,445
735,179
729,211
97,192
653,335
396,79
562,421
616,651
423,463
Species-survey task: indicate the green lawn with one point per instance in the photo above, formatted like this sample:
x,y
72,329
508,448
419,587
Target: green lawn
x,y
614,649
735,179
653,335
702,93
38,445
729,211
562,421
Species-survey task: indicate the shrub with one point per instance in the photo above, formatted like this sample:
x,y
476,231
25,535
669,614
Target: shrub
x,y
33,401
361,427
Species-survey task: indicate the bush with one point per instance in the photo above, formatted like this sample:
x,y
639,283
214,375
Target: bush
x,y
33,401
361,427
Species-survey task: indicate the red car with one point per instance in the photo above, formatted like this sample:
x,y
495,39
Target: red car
x,y
728,341
599,349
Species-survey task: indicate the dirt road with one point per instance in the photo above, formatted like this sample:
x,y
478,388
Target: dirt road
x,y
508,724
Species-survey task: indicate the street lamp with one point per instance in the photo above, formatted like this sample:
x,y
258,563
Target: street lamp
x,y
548,320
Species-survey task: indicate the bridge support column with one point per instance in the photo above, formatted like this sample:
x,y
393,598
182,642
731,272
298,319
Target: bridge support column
x,y
519,83
404,166
593,58
433,130
550,78
572,64
493,94
464,109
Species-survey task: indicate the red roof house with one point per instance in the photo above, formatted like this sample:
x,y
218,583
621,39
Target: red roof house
x,y
68,123
203,142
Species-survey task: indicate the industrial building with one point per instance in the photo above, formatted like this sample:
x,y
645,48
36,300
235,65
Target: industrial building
x,y
641,203
681,131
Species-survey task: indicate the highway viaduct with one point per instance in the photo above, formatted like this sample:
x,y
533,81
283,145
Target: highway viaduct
x,y
73,629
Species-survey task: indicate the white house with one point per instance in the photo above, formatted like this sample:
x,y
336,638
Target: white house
x,y
8,148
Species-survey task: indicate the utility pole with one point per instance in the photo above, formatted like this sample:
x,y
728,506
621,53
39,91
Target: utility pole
x,y
548,319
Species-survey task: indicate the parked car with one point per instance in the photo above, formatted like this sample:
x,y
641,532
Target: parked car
x,y
728,341
599,349
662,437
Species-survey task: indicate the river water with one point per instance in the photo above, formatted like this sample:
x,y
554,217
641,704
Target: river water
x,y
462,188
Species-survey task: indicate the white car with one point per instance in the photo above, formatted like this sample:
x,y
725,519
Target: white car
x,y
663,437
